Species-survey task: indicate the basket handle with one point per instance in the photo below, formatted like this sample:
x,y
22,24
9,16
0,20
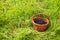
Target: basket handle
x,y
40,14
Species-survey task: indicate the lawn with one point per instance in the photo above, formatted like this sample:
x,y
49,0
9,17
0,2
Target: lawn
x,y
16,19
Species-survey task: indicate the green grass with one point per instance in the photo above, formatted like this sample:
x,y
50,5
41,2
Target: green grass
x,y
16,15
